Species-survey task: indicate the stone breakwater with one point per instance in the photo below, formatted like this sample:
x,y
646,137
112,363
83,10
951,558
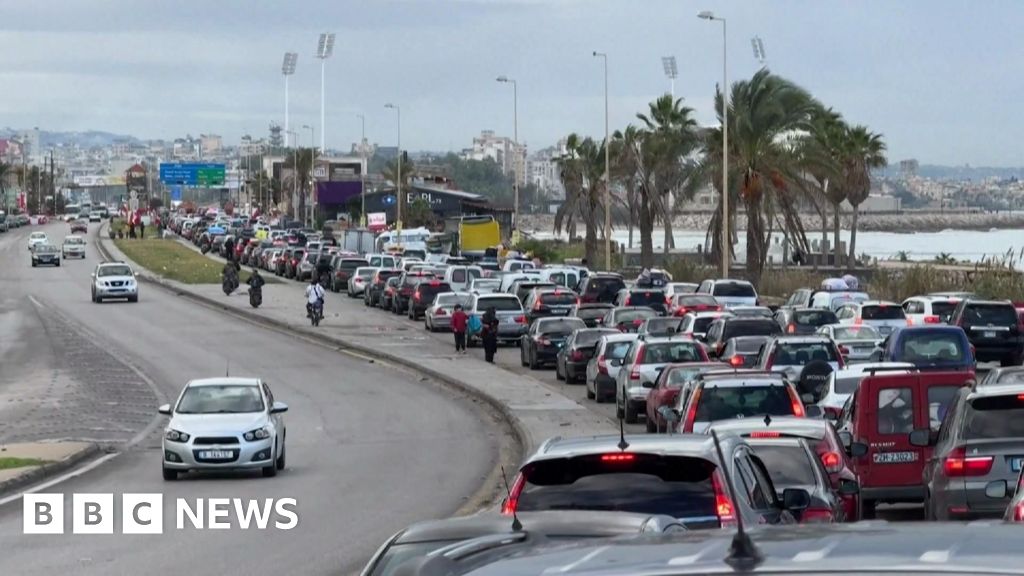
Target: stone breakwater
x,y
905,222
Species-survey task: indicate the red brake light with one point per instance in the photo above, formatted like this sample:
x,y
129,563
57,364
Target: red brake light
x,y
440,312
417,295
816,516
736,361
628,298
536,305
791,328
763,434
576,355
621,457
844,351
637,322
1018,512
831,461
520,319
723,505
798,406
435,283
691,413
602,366
958,464
509,506
931,320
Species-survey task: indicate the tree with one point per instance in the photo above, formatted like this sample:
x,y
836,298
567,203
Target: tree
x,y
821,151
5,171
419,213
300,162
581,171
863,151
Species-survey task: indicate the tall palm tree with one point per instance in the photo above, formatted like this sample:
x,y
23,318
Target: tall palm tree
x,y
582,171
821,151
301,164
766,113
863,151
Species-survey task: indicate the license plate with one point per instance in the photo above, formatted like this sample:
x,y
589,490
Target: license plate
x,y
989,334
894,457
1015,464
216,454
885,329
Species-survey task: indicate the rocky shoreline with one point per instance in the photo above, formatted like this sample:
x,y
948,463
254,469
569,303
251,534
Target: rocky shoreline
x,y
905,222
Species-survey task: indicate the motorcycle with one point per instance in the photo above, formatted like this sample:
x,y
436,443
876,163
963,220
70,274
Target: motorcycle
x,y
316,313
229,284
255,297
205,247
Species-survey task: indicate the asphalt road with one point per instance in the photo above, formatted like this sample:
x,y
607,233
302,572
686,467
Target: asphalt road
x,y
361,463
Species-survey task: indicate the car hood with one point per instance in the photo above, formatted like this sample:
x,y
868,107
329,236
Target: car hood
x,y
196,424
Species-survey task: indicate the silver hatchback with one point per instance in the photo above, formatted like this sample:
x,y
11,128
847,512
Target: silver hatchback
x,y
643,364
508,309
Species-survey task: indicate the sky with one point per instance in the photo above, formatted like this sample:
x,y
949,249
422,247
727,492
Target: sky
x,y
941,80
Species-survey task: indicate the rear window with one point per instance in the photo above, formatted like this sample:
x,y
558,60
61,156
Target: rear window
x,y
389,274
847,385
563,325
755,327
932,347
585,338
459,275
788,466
943,310
801,353
814,317
663,325
747,345
700,325
646,297
591,313
678,486
626,316
696,300
499,304
671,352
862,332
994,417
994,314
429,288
353,264
882,313
612,285
617,350
680,375
727,402
734,290
558,298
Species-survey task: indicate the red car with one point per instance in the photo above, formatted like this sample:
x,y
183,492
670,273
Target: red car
x,y
665,393
684,303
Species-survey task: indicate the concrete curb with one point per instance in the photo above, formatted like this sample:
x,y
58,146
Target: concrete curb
x,y
39,473
491,486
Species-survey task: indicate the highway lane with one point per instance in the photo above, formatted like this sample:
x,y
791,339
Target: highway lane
x,y
360,463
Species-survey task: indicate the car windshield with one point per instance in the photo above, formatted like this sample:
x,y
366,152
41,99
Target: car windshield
x,y
944,346
787,465
561,325
734,290
882,312
847,385
503,304
612,285
990,314
728,402
801,353
862,332
671,352
114,271
994,417
74,241
220,399
677,486
558,298
814,318
624,316
45,248
588,338
617,350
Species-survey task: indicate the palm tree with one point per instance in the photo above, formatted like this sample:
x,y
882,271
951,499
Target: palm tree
x,y
766,113
864,151
821,151
301,164
582,171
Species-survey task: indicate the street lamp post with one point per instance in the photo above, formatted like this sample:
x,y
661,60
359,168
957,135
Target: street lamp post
x,y
312,158
398,185
515,150
324,50
726,235
362,171
295,171
287,68
607,172
671,71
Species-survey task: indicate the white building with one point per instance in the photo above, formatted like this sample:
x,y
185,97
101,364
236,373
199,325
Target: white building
x,y
501,149
542,171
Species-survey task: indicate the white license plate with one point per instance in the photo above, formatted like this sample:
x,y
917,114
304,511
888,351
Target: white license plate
x,y
216,454
894,457
990,334
1015,464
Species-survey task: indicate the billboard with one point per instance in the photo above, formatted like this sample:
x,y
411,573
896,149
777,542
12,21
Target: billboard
x,y
192,174
377,220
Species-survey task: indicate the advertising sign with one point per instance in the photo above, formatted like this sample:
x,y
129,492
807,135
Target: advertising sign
x,y
377,220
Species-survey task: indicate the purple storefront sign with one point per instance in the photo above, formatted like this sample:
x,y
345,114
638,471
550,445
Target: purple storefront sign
x,y
337,193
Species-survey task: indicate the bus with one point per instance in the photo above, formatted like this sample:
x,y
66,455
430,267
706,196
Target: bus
x,y
410,239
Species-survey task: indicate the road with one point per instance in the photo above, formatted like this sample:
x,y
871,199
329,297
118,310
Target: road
x,y
360,464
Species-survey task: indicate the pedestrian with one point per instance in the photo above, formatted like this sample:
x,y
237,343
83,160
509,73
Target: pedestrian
x,y
142,229
459,323
490,334
131,229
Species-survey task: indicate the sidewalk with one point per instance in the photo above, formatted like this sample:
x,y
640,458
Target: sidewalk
x,y
535,412
57,457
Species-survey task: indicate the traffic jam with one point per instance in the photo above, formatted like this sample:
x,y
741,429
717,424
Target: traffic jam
x,y
833,407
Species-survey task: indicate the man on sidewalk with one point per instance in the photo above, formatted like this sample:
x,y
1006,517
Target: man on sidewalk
x,y
459,323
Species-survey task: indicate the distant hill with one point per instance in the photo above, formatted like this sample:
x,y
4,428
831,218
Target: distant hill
x,y
936,172
85,139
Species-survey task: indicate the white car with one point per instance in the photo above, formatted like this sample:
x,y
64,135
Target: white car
x,y
95,216
885,316
37,238
73,246
114,280
730,292
604,365
841,384
224,424
922,310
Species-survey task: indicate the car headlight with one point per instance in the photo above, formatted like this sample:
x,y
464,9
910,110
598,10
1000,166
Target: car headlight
x,y
257,434
176,436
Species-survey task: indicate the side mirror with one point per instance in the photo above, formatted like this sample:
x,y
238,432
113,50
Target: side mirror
x,y
849,488
813,411
164,409
795,499
996,490
648,384
831,417
920,438
858,449
92,275
278,408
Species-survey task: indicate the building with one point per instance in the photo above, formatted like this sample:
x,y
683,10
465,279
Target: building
x,y
210,145
444,202
501,149
908,168
30,145
250,147
542,171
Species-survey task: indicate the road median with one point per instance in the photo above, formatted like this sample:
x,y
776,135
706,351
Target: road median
x,y
40,461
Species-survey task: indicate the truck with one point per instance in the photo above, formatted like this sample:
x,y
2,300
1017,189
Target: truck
x,y
467,236
358,240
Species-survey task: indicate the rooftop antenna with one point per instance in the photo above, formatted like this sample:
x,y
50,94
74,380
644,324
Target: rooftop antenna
x,y
622,436
743,553
516,524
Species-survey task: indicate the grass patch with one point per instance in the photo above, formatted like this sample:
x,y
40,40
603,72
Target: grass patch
x,y
8,463
171,260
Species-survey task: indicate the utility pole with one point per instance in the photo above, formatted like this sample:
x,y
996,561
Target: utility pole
x,y
53,185
362,172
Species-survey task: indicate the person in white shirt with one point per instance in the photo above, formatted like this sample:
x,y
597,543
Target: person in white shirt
x,y
314,295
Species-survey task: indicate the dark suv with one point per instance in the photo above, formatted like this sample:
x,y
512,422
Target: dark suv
x,y
423,295
406,288
803,321
993,328
653,298
721,330
600,287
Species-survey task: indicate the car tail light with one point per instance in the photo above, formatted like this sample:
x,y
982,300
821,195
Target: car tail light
x,y
844,351
816,516
416,295
723,504
620,457
576,355
602,366
764,434
832,462
543,341
1018,512
798,406
637,322
736,361
691,413
958,464
932,320
791,328
508,508
440,312
536,305
668,300
681,311
520,319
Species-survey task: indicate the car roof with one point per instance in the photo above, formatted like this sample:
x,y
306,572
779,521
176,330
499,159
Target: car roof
x,y
997,390
808,339
649,339
224,381
554,319
631,308
620,337
863,303
731,281
712,314
971,301
935,298
865,369
675,444
739,380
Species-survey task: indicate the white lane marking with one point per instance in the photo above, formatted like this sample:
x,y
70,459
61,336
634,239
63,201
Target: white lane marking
x,y
572,565
62,478
814,555
935,556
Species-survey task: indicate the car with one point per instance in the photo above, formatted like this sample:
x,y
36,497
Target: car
x,y
676,475
438,316
696,324
545,337
980,442
725,328
387,295
730,292
804,321
660,326
423,295
841,384
572,359
509,310
929,347
79,227
406,288
45,254
460,276
805,360
4,225
360,278
652,298
308,265
604,366
627,319
664,396
834,300
929,309
820,435
683,304
882,315
674,288
993,328
856,343
1009,375
792,463
600,287
375,287
727,394
743,351
95,216
224,424
343,268
114,280
640,369
592,313
36,239
73,246
751,312
483,285
523,288
544,302
877,424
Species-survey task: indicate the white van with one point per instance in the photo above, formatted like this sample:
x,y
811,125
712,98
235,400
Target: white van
x,y
517,265
567,277
459,276
382,260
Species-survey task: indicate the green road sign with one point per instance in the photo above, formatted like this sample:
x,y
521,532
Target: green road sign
x,y
212,176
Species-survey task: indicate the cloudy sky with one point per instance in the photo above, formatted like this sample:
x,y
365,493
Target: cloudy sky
x,y
941,79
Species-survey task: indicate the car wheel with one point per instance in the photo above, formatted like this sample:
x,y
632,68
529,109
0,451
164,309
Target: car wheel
x,y
270,471
33,263
867,509
170,474
558,371
590,394
534,365
280,459
58,263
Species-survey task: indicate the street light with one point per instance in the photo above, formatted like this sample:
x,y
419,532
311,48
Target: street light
x,y
398,184
287,69
758,45
324,50
295,172
726,237
515,150
607,173
312,155
362,171
671,71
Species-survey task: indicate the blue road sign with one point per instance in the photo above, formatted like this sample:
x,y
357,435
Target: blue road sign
x,y
192,174
176,193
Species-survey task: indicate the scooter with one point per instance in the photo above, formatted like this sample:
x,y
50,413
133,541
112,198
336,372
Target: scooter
x,y
316,313
255,297
229,284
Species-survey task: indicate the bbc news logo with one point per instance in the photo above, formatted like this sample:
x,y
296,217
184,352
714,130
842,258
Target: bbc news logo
x,y
144,514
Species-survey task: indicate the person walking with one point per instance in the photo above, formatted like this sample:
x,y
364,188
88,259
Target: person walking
x,y
142,229
490,334
459,323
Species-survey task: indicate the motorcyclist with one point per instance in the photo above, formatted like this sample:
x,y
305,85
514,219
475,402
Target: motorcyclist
x,y
231,270
314,295
256,281
323,267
